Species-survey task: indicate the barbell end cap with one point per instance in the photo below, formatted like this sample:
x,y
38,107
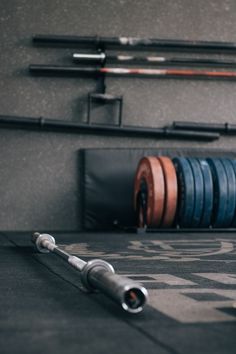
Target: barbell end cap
x,y
38,238
135,297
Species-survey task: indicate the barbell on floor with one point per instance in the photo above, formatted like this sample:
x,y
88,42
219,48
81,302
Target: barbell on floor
x,y
97,274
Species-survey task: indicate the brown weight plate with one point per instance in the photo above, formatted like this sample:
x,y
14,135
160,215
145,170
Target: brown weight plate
x,y
171,191
150,172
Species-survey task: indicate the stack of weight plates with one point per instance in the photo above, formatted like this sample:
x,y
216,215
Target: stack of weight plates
x,y
185,192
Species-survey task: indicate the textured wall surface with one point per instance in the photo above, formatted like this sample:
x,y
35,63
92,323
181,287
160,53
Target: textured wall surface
x,y
39,172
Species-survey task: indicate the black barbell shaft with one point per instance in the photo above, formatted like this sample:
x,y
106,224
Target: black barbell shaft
x,y
133,43
67,126
98,275
42,69
226,128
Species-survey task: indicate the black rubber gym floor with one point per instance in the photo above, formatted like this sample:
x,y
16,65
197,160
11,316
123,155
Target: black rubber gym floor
x,y
191,279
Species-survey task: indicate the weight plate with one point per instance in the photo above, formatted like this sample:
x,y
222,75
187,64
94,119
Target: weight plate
x,y
141,207
185,191
171,191
233,162
150,173
198,192
231,200
208,193
220,187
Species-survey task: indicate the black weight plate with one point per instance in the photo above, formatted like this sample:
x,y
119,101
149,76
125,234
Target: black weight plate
x,y
208,193
220,187
141,205
198,192
231,200
185,191
233,163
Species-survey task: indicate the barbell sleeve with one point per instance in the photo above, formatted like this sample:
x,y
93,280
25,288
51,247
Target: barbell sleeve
x,y
133,43
97,274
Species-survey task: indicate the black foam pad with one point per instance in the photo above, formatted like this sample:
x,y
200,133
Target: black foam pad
x,y
108,183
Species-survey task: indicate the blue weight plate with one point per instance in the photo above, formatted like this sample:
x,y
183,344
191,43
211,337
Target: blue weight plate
x,y
198,192
208,193
185,191
220,187
233,163
231,200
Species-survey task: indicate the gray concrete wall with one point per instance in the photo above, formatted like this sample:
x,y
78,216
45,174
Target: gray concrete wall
x,y
39,172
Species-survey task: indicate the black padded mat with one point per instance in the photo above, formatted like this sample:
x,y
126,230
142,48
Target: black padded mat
x,y
191,279
108,183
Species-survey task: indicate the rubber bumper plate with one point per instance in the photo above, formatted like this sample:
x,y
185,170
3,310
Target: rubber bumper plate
x,y
220,186
208,193
233,162
150,176
185,191
171,191
231,200
198,192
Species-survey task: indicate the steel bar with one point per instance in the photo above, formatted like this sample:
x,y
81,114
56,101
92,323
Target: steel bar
x,y
98,275
225,128
103,58
133,43
67,126
131,72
